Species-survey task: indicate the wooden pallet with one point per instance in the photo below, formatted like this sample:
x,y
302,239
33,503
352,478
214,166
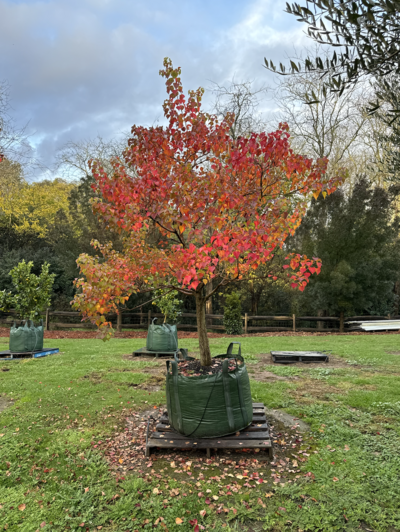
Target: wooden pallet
x,y
255,436
289,357
8,355
180,353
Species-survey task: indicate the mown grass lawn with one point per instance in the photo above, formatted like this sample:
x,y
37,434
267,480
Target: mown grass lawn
x,y
52,477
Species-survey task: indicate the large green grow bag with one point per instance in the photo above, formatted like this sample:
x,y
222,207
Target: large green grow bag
x,y
210,406
162,338
26,338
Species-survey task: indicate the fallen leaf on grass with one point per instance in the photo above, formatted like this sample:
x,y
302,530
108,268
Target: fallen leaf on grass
x,y
268,495
202,513
335,479
86,490
21,507
178,521
156,491
43,524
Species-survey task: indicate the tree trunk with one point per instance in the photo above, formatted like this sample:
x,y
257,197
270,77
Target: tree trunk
x,y
254,303
205,354
209,305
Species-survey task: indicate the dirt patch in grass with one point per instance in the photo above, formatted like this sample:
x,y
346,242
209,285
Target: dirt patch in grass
x,y
266,376
310,389
393,352
5,403
94,377
258,372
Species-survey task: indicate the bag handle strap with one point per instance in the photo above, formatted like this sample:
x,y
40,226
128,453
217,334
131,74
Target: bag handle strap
x,y
230,349
175,379
228,403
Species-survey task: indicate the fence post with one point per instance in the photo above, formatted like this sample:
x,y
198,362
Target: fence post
x,y
149,318
245,323
294,322
119,321
47,321
341,322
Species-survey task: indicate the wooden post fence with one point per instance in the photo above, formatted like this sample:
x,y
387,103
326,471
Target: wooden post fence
x,y
245,323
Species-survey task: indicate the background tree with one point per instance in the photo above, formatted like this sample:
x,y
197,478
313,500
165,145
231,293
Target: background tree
x,y
333,127
364,35
203,206
357,239
242,101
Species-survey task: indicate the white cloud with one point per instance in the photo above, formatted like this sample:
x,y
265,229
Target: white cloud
x,y
78,68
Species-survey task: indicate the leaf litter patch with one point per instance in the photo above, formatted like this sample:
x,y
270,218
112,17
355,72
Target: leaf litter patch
x,y
230,472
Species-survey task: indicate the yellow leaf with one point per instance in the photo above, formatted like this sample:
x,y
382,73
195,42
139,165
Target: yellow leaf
x,y
178,521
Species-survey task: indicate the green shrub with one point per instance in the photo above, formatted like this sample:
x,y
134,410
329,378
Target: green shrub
x,y
31,293
233,314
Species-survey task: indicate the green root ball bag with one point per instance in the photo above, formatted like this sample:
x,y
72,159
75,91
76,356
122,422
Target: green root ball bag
x,y
209,406
162,338
27,338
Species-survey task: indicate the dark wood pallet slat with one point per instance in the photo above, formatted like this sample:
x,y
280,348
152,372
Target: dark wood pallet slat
x,y
256,436
254,427
211,444
242,435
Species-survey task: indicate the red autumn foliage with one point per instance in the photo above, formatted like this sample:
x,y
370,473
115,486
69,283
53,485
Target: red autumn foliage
x,y
197,206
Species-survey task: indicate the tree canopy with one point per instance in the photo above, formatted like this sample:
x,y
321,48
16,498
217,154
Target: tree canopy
x,y
199,206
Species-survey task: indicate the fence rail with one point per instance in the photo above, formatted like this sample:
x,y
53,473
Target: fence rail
x,y
141,320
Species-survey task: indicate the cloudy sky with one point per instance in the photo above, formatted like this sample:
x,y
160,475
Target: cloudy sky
x,y
82,68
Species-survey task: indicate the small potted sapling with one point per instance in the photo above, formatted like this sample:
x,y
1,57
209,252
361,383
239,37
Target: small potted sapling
x,y
164,338
29,297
